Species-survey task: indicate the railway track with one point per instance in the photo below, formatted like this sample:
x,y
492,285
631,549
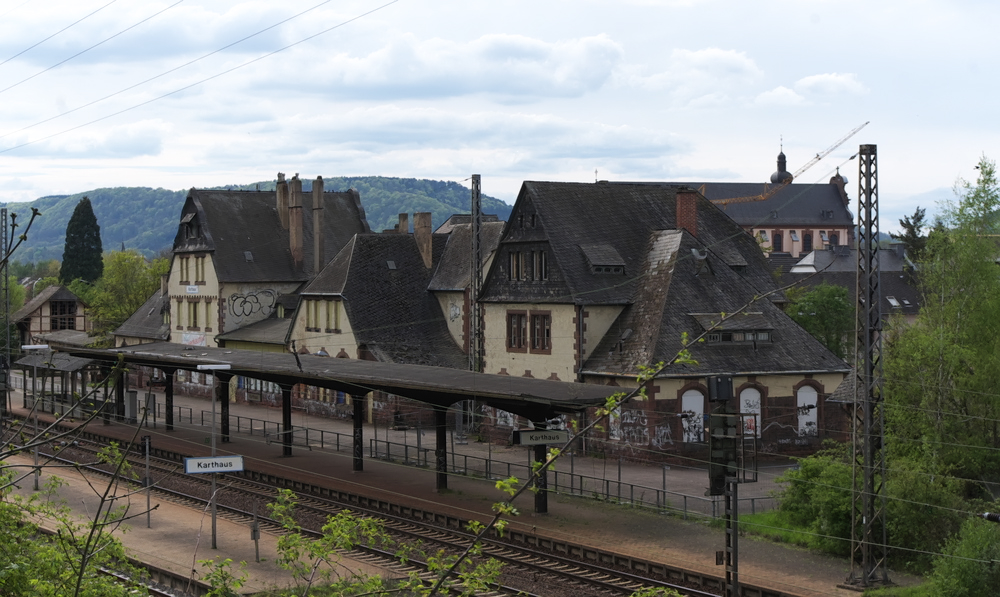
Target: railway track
x,y
522,562
534,564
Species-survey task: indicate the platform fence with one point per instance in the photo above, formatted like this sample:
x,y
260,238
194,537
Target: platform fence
x,y
561,482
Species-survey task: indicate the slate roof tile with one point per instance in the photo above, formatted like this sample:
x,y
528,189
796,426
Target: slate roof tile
x,y
243,231
620,216
147,322
454,272
390,309
686,308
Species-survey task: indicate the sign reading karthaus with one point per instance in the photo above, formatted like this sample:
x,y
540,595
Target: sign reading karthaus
x,y
534,437
214,464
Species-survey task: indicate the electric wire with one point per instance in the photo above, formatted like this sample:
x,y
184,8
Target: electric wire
x,y
5,13
35,45
84,51
189,86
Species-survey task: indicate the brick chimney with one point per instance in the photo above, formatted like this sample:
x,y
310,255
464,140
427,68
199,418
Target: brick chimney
x,y
282,200
422,234
687,210
295,221
404,224
319,246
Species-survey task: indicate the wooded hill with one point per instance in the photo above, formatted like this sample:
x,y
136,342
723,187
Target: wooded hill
x,y
146,219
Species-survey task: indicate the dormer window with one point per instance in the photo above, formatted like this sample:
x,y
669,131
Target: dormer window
x,y
744,328
189,225
603,259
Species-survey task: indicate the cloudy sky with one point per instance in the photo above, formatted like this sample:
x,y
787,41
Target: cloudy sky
x,y
176,94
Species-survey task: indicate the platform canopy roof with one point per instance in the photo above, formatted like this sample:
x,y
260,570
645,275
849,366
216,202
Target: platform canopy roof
x,y
535,399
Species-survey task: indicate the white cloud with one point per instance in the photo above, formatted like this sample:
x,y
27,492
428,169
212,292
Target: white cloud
x,y
831,84
779,96
143,138
707,77
495,64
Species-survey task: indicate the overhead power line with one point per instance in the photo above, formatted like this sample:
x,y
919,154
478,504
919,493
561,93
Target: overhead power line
x,y
15,8
35,45
186,87
81,52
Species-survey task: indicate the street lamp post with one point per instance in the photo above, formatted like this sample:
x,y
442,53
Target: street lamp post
x,y
212,496
34,408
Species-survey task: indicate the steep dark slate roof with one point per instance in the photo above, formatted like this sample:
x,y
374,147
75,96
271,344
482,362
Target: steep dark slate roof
x,y
390,310
574,220
819,205
52,293
454,272
267,331
147,321
681,295
781,259
459,219
244,233
838,268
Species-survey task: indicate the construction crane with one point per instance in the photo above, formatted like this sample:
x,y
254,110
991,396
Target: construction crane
x,y
769,190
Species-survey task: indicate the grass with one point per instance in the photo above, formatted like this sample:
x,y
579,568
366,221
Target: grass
x,y
771,526
924,590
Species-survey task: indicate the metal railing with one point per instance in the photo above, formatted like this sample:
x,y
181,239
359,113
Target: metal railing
x,y
562,482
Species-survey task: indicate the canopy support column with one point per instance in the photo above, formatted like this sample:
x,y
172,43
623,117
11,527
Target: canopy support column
x,y
358,402
441,447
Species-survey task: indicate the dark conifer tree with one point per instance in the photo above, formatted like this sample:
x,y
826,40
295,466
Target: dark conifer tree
x,y
83,256
911,236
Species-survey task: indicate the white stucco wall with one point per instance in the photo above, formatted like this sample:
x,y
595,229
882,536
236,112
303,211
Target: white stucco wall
x,y
561,360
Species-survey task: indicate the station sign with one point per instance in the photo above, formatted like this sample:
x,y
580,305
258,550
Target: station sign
x,y
214,464
535,437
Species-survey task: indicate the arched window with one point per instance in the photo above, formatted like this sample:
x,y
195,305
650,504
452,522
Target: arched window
x,y
750,404
807,401
693,405
776,243
807,243
834,240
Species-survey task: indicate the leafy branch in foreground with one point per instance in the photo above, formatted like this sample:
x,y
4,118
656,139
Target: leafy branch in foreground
x,y
70,561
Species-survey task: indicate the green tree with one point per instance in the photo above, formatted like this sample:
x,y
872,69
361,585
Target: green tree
x,y
817,499
128,281
968,567
826,313
83,252
941,371
70,561
912,238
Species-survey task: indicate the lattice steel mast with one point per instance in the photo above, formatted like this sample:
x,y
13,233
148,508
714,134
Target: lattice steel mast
x,y
868,531
5,358
476,283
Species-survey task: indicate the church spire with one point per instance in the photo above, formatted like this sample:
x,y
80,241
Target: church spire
x,y
782,175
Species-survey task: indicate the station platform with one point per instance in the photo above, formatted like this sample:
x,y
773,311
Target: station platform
x,y
580,512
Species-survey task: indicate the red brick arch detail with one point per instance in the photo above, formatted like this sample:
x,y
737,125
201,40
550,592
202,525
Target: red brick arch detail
x,y
755,385
693,385
810,382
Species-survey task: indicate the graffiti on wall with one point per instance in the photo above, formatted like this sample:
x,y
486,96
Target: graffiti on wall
x,y
693,426
256,304
663,437
635,427
615,424
504,418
